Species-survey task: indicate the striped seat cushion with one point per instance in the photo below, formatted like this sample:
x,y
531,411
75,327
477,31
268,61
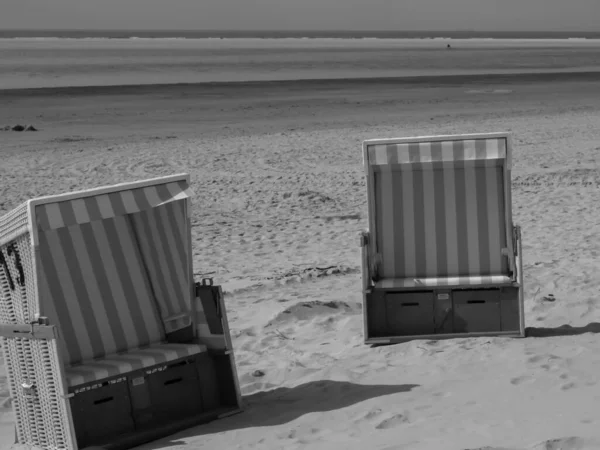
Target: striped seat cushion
x,y
402,283
123,363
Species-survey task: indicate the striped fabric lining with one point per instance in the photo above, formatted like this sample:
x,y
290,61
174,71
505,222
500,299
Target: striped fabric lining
x,y
88,209
115,365
444,220
93,286
444,223
161,234
399,283
444,151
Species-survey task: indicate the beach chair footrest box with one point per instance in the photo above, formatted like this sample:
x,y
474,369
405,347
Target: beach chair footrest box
x,y
376,313
446,311
131,407
102,411
510,308
409,313
486,310
476,311
170,392
126,403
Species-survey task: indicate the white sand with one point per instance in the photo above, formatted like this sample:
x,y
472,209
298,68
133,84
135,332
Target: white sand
x,y
270,205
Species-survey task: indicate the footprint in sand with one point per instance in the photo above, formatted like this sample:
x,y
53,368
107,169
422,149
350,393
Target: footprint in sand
x,y
489,448
373,413
521,380
291,434
548,360
441,394
426,407
392,422
536,359
568,386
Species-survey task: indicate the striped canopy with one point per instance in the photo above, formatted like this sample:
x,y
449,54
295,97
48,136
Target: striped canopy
x,y
447,151
88,208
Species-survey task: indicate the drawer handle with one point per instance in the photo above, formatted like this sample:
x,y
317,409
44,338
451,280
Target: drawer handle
x,y
104,400
475,301
173,381
410,304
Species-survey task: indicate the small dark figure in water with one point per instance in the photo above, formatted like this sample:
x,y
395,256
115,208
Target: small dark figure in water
x,y
449,46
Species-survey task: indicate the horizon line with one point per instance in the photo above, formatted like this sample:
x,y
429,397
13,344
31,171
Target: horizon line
x,y
337,30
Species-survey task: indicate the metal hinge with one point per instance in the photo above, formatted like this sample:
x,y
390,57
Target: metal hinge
x,y
203,282
363,238
29,389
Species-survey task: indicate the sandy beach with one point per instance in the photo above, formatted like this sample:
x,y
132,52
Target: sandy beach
x,y
279,199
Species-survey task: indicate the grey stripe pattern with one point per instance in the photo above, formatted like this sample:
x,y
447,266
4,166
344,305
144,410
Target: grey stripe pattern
x,y
439,209
115,268
114,365
160,234
420,153
105,206
96,290
395,283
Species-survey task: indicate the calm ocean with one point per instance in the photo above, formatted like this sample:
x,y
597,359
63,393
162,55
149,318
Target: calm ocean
x,y
32,59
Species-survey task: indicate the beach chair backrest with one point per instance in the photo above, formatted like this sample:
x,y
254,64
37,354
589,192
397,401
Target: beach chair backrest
x,y
440,206
113,265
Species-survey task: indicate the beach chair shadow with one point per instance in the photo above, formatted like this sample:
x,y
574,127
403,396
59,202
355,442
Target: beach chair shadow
x,y
283,405
563,330
442,257
108,340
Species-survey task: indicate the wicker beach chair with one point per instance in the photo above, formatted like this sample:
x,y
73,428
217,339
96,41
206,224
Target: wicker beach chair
x,y
107,339
442,257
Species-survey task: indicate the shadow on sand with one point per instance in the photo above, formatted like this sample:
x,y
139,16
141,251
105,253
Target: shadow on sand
x,y
283,405
563,330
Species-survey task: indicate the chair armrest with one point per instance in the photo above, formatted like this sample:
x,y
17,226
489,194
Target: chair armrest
x,y
516,235
364,239
517,242
506,252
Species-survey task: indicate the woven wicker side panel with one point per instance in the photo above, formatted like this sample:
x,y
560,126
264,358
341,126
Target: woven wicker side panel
x,y
18,300
42,418
13,223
